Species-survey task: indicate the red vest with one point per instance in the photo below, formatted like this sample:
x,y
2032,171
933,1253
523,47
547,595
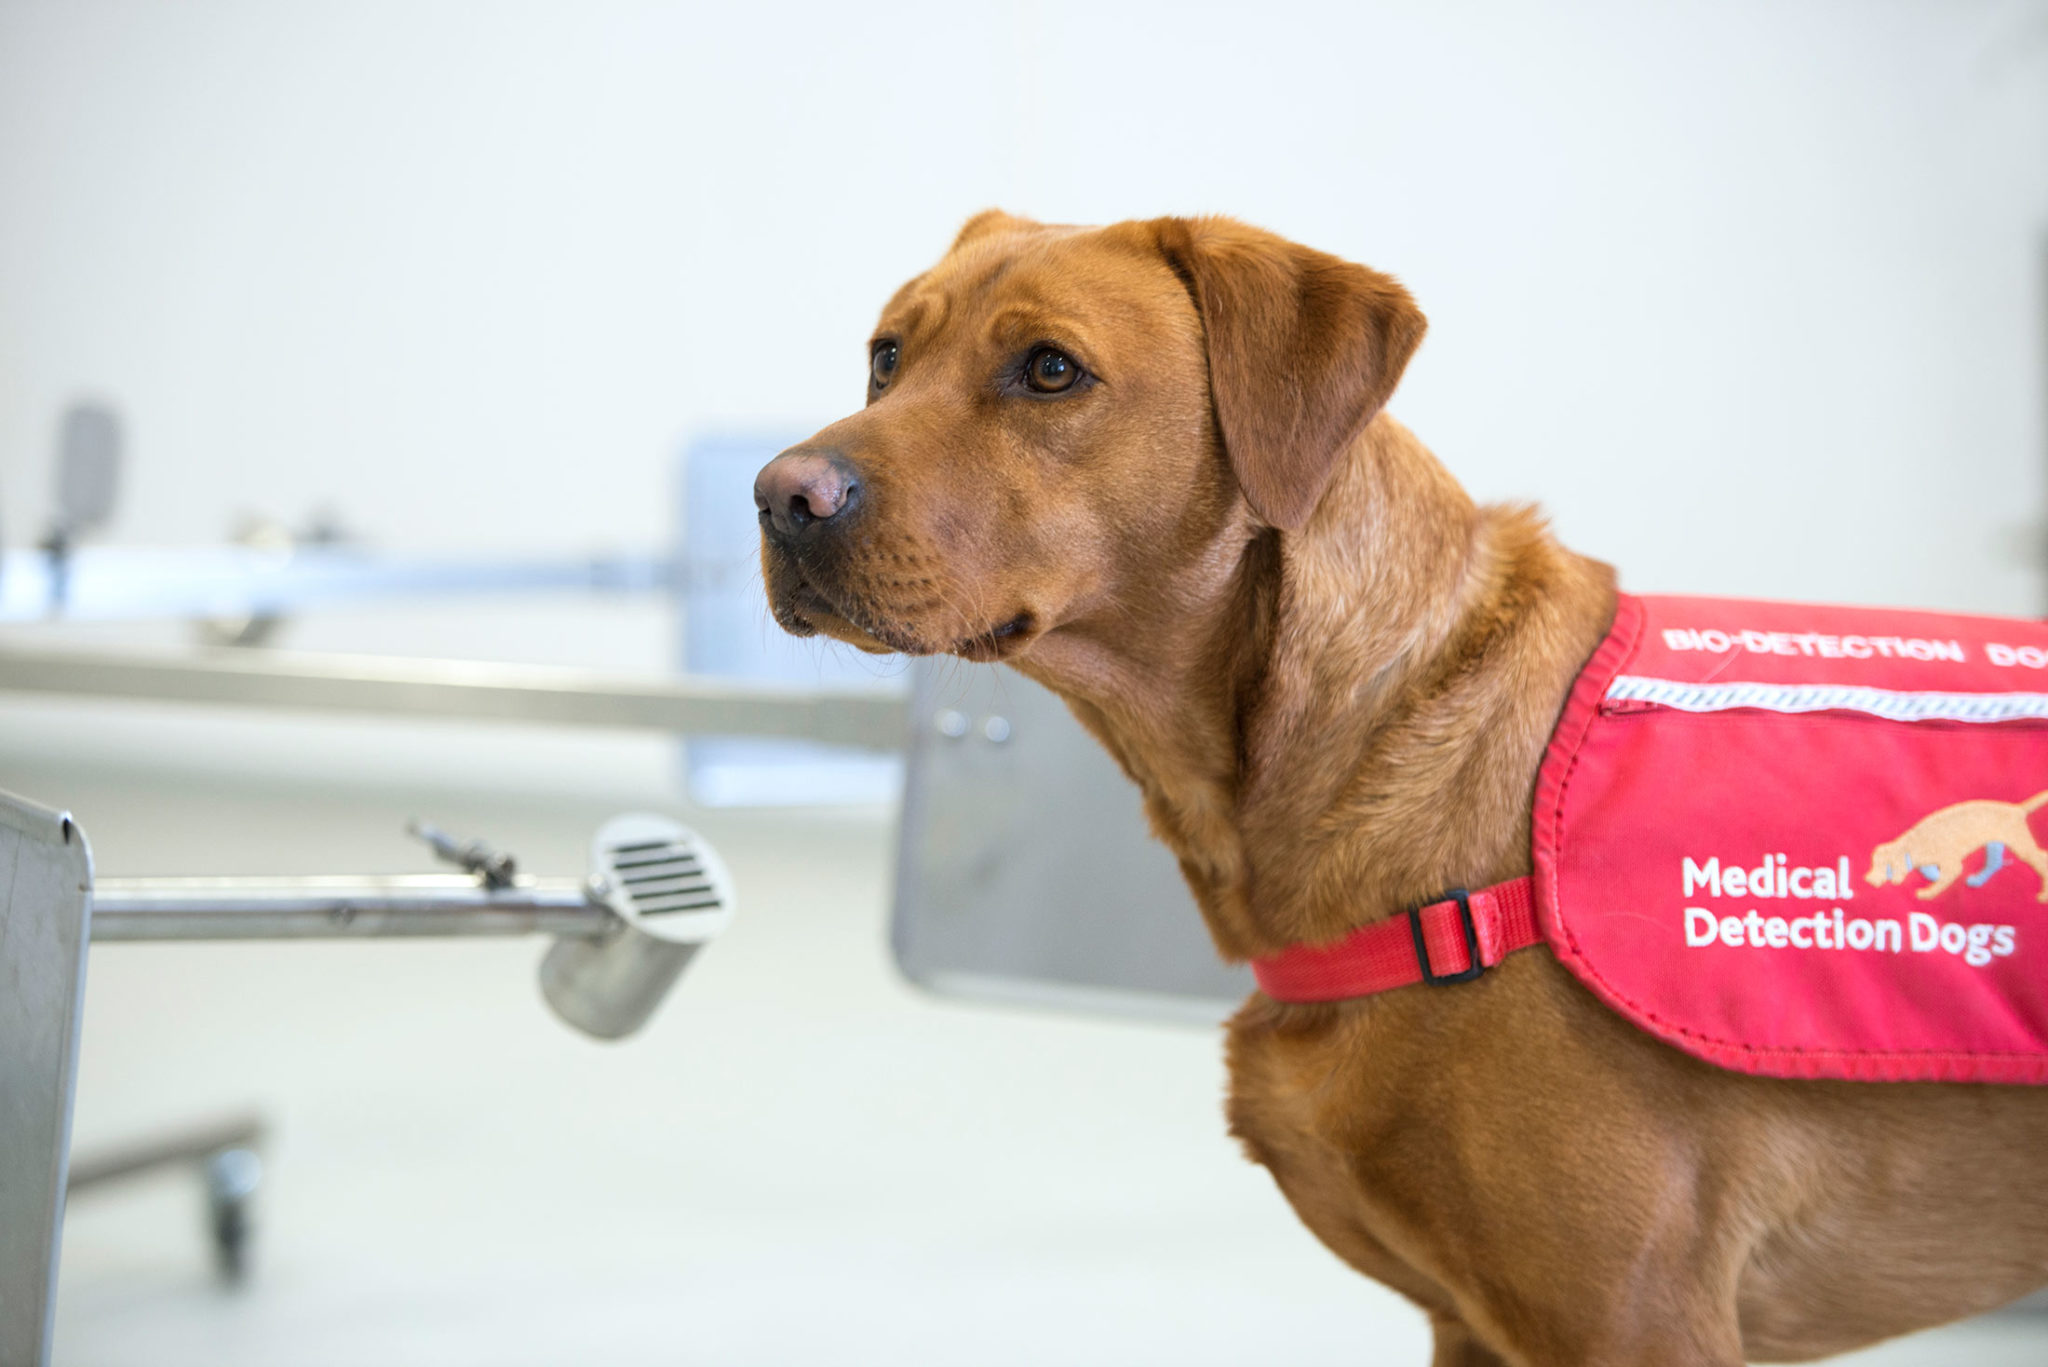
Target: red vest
x,y
1791,840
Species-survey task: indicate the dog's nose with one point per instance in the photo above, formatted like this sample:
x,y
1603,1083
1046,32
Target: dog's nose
x,y
800,489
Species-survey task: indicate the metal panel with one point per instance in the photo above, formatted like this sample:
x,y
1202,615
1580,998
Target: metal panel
x,y
45,892
1026,871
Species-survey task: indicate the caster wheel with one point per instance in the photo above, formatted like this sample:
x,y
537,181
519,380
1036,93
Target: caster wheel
x,y
232,1176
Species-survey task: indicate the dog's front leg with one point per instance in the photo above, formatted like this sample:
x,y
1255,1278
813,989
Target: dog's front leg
x,y
1628,1334
1457,1346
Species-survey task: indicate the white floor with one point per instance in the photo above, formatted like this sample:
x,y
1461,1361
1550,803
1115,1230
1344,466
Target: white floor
x,y
802,1161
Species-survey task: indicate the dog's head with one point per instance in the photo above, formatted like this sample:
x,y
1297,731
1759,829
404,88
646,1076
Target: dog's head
x,y
1062,420
1889,863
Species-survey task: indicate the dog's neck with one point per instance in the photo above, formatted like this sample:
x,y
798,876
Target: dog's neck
x,y
1332,724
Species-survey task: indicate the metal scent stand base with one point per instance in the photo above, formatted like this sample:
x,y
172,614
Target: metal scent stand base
x,y
225,1154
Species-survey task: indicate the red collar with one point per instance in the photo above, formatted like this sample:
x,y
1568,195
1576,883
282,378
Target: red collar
x,y
1446,942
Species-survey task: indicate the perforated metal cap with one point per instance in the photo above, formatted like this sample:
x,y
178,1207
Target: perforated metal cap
x,y
661,876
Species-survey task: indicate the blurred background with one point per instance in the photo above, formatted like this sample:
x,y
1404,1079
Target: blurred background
x,y
1751,296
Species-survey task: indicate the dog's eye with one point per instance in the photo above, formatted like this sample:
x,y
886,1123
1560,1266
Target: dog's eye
x,y
882,364
1049,371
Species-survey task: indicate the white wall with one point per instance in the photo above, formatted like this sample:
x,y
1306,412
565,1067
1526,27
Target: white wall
x,y
1750,294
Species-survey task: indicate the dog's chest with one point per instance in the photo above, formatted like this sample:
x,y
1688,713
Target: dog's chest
x,y
1302,1106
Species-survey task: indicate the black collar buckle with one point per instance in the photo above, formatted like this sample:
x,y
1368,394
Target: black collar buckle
x,y
1435,979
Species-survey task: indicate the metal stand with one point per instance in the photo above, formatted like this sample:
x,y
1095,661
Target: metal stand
x,y
656,893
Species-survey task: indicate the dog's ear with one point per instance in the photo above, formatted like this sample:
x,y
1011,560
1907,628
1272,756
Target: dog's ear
x,y
1304,349
989,223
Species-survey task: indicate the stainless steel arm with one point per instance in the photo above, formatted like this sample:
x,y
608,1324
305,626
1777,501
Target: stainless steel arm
x,y
341,908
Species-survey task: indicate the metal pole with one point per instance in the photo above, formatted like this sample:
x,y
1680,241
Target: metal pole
x,y
194,1145
430,904
461,690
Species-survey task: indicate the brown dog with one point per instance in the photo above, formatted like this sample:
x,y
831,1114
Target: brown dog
x,y
1146,466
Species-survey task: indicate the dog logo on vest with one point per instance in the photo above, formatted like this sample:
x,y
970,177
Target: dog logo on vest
x,y
1938,844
